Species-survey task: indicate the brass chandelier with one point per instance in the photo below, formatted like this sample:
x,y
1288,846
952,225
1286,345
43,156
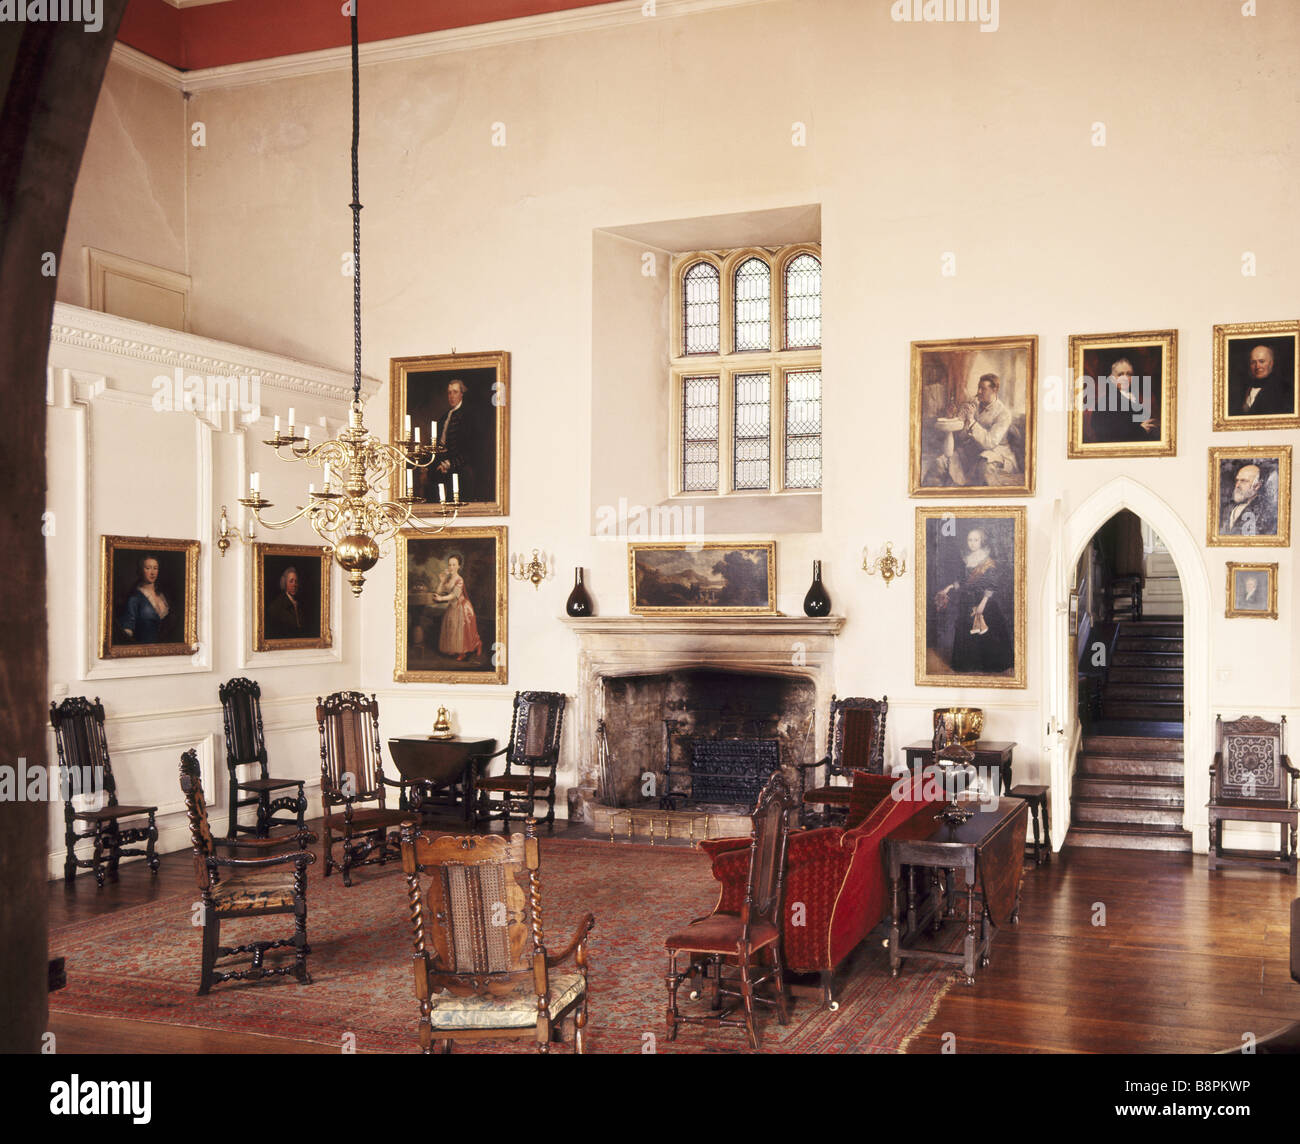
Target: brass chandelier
x,y
349,512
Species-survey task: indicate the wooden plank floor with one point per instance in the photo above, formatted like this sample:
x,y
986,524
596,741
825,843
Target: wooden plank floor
x,y
1186,962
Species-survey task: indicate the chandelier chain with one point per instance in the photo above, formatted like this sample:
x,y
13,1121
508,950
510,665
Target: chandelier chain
x,y
356,212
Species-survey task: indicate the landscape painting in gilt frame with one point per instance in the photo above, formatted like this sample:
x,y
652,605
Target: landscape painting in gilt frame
x,y
466,396
973,415
148,596
717,578
291,597
970,597
451,606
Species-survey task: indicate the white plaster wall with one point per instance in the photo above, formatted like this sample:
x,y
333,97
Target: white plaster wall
x,y
921,139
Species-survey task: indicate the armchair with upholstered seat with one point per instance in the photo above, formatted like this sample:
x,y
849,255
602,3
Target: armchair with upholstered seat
x,y
241,713
1252,780
86,773
245,887
835,871
532,756
351,775
855,742
482,970
738,932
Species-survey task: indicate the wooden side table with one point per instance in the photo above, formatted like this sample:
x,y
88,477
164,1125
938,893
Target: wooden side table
x,y
440,772
1036,796
988,848
989,753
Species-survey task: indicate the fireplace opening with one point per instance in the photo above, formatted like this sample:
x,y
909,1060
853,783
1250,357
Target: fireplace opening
x,y
703,739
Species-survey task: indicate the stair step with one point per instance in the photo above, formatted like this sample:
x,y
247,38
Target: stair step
x,y
1161,627
1138,746
1161,766
1147,659
1147,788
1126,690
1089,812
1164,645
1151,710
1155,675
1131,838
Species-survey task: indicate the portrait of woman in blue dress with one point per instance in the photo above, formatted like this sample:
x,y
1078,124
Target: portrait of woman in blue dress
x,y
144,618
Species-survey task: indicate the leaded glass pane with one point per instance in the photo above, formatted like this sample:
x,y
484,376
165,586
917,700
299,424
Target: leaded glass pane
x,y
699,434
803,429
753,431
753,305
803,302
701,309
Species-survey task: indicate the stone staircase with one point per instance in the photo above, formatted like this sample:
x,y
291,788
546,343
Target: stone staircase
x,y
1128,781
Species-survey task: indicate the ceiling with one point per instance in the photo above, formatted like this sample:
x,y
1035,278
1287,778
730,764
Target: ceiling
x,y
190,34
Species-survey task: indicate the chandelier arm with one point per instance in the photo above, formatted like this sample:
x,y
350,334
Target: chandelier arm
x,y
278,524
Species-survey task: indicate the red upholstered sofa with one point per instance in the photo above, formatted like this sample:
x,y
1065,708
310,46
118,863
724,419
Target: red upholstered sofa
x,y
834,872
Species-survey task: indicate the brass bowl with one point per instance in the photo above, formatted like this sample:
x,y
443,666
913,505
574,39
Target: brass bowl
x,y
965,725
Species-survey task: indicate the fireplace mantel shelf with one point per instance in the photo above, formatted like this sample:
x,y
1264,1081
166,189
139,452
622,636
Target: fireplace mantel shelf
x,y
710,625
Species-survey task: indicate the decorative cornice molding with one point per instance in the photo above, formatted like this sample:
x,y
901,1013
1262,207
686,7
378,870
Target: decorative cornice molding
x,y
107,333
599,17
134,60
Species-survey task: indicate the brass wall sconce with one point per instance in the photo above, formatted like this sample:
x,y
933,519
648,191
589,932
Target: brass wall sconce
x,y
535,570
887,564
226,531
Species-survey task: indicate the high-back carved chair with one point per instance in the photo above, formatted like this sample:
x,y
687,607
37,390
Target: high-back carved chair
x,y
85,769
724,940
1252,780
351,775
245,893
481,966
532,757
241,711
855,742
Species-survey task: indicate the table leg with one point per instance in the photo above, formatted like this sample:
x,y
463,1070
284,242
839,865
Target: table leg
x,y
911,899
895,937
1034,815
968,949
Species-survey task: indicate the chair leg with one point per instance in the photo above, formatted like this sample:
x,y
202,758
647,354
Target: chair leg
x,y
302,809
778,972
673,982
347,855
446,1047
151,847
232,826
715,1002
97,858
301,948
114,850
580,1028
329,850
828,990
747,999
211,933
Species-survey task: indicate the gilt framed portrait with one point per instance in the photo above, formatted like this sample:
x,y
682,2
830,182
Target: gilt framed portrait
x,y
148,596
1252,591
462,401
1125,395
1257,375
972,430
717,578
1249,503
970,597
451,606
291,597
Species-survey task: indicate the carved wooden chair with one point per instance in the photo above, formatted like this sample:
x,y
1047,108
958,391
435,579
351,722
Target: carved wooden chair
x,y
723,941
85,770
246,893
532,756
481,966
351,774
241,711
855,742
1252,780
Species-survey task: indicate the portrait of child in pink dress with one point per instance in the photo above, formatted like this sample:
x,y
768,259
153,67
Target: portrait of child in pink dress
x,y
459,633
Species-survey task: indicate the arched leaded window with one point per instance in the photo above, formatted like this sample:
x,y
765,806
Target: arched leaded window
x,y
701,309
753,306
803,302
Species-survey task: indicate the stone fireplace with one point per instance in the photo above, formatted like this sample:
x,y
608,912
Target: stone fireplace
x,y
725,677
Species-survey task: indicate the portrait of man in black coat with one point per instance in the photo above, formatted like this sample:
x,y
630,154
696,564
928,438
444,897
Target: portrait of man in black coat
x,y
1261,378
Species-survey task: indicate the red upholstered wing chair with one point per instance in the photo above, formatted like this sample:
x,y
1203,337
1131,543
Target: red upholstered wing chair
x,y
834,872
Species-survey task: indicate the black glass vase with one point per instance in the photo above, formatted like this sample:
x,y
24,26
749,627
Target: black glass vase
x,y
579,602
817,602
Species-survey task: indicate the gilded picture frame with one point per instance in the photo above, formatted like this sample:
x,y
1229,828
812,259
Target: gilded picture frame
x,y
129,622
477,435
1263,357
1248,598
291,597
451,606
716,578
1249,501
968,436
1124,396
958,575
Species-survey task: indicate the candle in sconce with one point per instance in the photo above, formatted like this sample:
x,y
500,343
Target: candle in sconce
x,y
277,425
306,432
406,427
327,476
255,482
311,490
291,417
417,434
455,486
433,433
442,494
410,482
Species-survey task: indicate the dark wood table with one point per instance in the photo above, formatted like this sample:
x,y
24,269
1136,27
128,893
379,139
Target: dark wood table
x,y
441,772
988,849
989,753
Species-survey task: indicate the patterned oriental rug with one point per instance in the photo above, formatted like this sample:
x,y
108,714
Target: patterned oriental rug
x,y
142,964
